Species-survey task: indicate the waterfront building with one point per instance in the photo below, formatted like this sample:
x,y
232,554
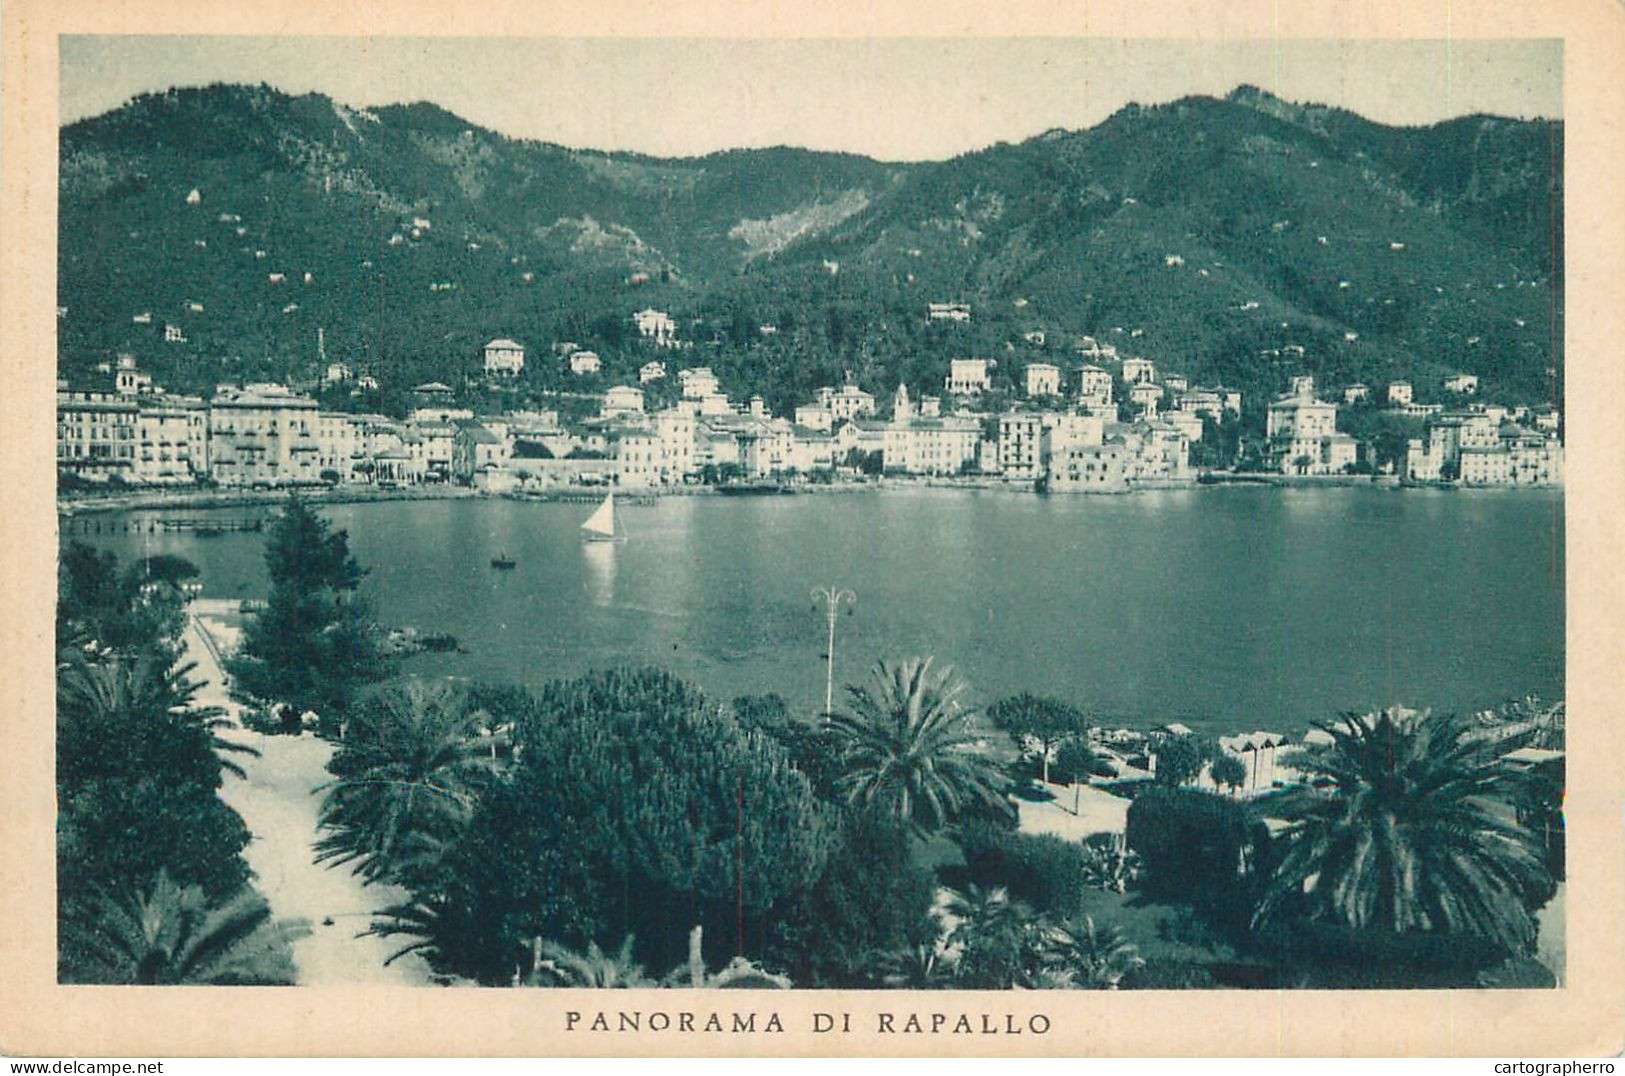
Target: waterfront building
x,y
96,433
436,443
931,446
164,440
1043,379
263,435
675,430
637,456
1086,468
504,358
814,449
622,399
1303,437
968,377
481,456
1019,457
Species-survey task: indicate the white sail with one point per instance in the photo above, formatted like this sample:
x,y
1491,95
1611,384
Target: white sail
x,y
602,522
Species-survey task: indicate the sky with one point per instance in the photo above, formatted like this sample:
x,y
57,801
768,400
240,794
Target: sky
x,y
891,98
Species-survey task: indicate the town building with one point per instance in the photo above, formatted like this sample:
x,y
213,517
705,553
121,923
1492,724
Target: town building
x,y
1303,437
1145,395
698,382
1043,379
1462,384
1399,393
263,435
622,399
947,311
675,431
1137,371
968,377
1356,393
1020,448
1095,388
584,363
651,371
637,456
96,434
815,417
481,457
850,403
504,358
657,327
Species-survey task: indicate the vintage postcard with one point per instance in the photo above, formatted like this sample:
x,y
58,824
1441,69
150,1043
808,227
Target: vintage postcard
x,y
946,531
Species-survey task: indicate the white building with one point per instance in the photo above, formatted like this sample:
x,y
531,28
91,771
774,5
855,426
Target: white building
x,y
263,435
1303,437
1020,434
947,311
1043,379
1399,393
1353,394
622,399
1137,371
1095,387
1462,384
657,327
504,358
583,363
698,382
815,417
851,402
651,371
967,377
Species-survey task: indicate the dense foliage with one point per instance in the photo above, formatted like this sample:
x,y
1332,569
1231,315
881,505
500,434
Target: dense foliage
x,y
1416,835
151,883
312,645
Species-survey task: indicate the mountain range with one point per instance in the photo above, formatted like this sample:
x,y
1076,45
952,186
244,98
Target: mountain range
x,y
1234,240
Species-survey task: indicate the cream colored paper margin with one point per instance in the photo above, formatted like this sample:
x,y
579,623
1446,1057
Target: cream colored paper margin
x,y
1587,1018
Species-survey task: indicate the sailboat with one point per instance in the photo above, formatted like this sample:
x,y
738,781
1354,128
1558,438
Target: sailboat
x,y
600,526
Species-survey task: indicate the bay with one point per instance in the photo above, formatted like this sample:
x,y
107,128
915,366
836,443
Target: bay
x,y
1230,609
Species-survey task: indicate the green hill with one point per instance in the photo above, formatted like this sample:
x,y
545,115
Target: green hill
x,y
1215,236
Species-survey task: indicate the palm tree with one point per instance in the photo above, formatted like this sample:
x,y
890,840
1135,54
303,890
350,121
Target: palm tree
x,y
994,936
1084,956
407,777
558,965
910,748
168,935
1417,834
122,700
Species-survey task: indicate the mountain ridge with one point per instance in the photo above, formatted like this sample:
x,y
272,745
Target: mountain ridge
x,y
1438,247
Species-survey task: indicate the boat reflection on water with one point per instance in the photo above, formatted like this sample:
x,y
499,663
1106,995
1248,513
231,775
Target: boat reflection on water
x,y
599,578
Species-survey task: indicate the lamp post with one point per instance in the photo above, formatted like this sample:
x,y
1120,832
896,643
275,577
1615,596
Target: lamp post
x,y
833,597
